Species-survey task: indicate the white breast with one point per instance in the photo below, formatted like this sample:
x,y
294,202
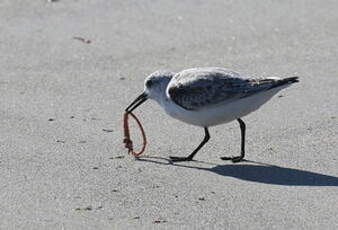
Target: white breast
x,y
218,114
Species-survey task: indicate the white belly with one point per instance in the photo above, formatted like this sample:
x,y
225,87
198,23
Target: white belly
x,y
220,114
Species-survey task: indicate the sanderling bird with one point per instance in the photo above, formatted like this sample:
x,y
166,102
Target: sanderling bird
x,y
209,96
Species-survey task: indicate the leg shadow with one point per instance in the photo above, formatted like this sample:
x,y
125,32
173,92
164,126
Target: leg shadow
x,y
258,172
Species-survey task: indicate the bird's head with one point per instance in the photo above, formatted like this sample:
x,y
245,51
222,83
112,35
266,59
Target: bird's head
x,y
154,88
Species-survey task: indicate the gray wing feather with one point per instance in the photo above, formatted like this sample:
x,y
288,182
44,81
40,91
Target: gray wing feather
x,y
194,89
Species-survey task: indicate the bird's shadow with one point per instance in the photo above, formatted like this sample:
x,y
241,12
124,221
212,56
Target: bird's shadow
x,y
256,172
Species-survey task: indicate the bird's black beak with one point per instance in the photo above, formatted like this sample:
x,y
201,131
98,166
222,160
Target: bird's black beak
x,y
138,101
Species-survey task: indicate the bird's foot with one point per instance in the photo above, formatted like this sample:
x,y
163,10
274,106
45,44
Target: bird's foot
x,y
233,159
178,159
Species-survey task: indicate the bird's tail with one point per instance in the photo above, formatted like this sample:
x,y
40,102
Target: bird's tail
x,y
285,82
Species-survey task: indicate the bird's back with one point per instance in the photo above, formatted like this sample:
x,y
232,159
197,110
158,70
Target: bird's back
x,y
196,88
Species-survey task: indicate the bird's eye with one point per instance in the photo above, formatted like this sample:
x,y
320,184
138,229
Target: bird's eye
x,y
149,84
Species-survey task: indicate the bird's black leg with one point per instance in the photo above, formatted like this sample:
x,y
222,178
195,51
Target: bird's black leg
x,y
190,157
239,158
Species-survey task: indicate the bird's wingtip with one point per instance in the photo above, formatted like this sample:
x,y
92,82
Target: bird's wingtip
x,y
285,81
291,79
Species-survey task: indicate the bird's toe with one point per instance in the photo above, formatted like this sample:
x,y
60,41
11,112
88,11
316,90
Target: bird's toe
x,y
236,159
178,159
226,158
233,159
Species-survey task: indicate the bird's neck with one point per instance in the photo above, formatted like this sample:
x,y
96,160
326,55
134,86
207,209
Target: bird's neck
x,y
161,97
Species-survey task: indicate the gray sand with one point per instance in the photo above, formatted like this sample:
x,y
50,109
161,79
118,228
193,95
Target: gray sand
x,y
62,163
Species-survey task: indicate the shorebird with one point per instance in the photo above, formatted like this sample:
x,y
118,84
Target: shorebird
x,y
209,96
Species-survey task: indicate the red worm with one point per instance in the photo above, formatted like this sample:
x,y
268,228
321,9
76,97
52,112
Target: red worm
x,y
127,141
